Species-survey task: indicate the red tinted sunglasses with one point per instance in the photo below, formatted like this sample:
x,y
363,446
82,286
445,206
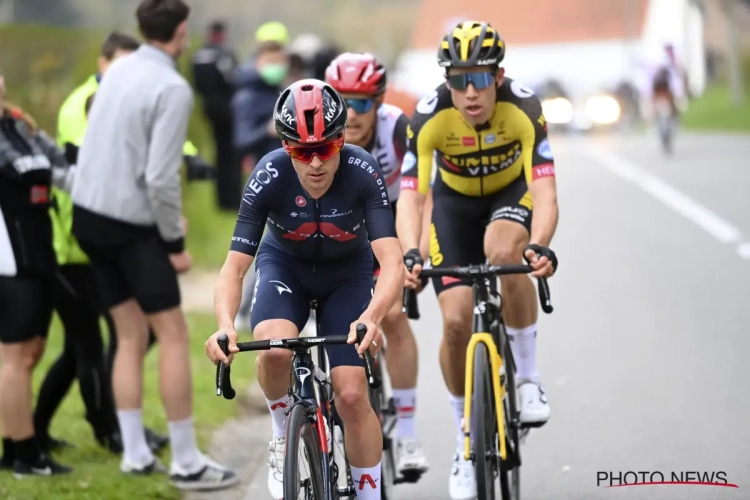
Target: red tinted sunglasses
x,y
324,151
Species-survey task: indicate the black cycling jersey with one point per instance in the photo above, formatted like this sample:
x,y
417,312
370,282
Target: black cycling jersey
x,y
354,211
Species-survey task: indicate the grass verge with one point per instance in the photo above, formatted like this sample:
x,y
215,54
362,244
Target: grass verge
x,y
715,111
97,475
209,229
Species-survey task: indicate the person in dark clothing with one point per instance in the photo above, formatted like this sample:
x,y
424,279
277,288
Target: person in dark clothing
x,y
258,87
213,75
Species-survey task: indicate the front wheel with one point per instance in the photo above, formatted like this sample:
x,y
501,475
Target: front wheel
x,y
380,406
303,468
485,428
510,470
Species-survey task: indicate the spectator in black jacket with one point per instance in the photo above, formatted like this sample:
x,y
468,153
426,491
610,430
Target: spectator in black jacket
x,y
214,67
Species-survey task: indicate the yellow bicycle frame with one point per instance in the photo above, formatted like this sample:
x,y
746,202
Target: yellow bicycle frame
x,y
495,363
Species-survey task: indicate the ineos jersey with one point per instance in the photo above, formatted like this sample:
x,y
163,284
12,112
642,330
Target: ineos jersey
x,y
389,145
353,212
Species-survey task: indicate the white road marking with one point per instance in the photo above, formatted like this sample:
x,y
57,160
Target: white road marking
x,y
680,203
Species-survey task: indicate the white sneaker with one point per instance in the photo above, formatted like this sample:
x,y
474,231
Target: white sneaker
x,y
212,476
534,404
277,449
410,457
463,480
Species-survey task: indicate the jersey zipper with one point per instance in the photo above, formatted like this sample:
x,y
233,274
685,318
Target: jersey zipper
x,y
316,235
481,171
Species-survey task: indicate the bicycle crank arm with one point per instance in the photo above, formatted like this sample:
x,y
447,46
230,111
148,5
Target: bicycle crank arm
x,y
346,492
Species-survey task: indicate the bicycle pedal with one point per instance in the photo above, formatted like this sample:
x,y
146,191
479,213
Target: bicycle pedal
x,y
531,425
409,477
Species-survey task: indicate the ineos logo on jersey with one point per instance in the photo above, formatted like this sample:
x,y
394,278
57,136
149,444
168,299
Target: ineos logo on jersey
x,y
428,103
262,177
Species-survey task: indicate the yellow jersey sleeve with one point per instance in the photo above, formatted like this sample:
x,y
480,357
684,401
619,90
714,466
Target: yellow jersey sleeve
x,y
538,161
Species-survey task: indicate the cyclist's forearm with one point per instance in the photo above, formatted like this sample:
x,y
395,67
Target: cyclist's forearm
x,y
409,219
544,220
390,281
227,297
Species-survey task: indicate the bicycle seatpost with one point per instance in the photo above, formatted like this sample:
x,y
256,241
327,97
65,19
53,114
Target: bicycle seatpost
x,y
223,373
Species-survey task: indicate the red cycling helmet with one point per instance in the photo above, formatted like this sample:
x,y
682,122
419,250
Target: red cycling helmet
x,y
310,111
353,73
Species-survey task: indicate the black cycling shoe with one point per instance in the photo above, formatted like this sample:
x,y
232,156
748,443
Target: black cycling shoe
x,y
111,442
47,444
44,466
155,441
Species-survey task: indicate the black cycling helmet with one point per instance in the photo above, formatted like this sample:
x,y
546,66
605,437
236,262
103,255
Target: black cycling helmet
x,y
471,43
309,111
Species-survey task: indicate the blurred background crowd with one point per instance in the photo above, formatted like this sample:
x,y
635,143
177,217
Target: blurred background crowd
x,y
588,60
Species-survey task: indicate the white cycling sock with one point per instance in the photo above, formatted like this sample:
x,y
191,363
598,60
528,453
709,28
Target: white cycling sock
x,y
523,345
278,408
458,414
135,447
367,482
185,454
405,401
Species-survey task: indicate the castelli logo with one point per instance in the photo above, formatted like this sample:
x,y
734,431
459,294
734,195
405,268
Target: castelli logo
x,y
301,202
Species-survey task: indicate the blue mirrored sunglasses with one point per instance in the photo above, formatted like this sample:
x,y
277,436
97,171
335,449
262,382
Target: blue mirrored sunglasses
x,y
479,80
360,105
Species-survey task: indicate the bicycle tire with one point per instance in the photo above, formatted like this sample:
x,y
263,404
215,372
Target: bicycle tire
x,y
301,430
483,410
510,471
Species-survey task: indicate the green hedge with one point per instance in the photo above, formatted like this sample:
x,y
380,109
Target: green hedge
x,y
43,64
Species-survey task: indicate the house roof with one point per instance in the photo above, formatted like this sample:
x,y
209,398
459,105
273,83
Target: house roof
x,y
524,22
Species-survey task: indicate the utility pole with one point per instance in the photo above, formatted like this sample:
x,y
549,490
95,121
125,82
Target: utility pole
x,y
736,85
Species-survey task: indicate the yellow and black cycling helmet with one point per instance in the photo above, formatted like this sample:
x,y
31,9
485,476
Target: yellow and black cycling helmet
x,y
471,43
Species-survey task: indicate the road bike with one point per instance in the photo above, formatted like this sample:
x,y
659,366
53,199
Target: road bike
x,y
312,417
491,407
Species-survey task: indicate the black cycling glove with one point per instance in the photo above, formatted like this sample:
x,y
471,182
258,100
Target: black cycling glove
x,y
199,169
412,258
543,252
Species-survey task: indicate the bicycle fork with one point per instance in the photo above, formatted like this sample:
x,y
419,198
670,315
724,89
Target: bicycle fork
x,y
499,390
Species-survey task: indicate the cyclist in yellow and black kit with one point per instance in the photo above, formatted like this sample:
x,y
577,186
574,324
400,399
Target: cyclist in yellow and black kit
x,y
494,166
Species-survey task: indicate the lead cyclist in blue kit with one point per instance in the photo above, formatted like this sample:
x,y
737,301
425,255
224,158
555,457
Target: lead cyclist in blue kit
x,y
307,256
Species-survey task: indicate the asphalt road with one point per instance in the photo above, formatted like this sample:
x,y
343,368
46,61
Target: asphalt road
x,y
644,357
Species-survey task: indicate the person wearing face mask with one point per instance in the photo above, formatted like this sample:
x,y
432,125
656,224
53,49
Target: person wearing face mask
x,y
30,163
127,218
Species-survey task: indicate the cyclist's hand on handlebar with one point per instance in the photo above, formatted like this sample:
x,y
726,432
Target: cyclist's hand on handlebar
x,y
413,262
542,260
214,352
373,339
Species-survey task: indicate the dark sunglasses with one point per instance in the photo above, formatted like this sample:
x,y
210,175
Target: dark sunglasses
x,y
360,105
324,151
479,80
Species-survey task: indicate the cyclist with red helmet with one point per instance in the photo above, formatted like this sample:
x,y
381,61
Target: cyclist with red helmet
x,y
381,129
327,210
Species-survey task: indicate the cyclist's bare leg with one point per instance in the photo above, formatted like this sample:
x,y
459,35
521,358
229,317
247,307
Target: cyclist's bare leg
x,y
401,355
504,244
272,368
457,309
363,438
402,360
